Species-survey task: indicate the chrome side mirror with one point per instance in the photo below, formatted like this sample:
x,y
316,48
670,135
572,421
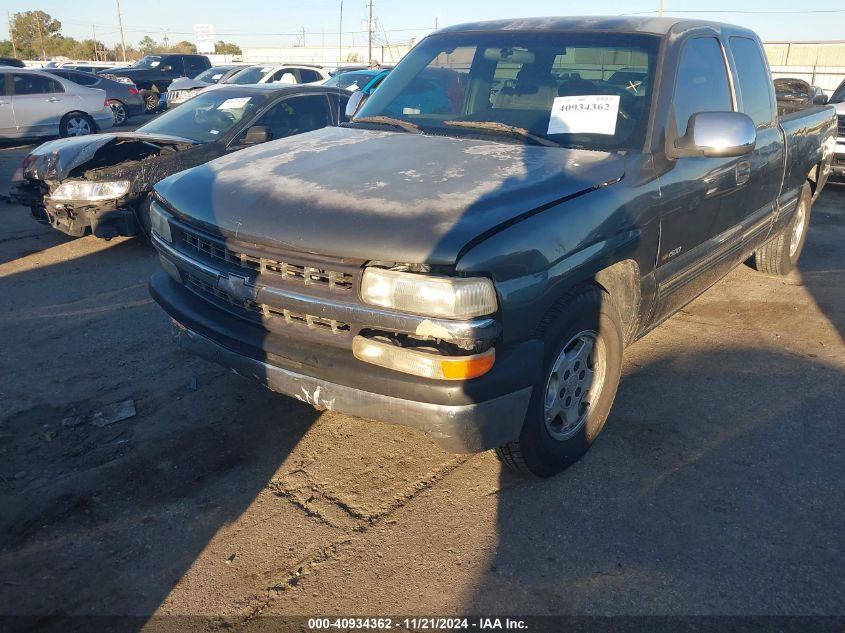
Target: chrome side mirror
x,y
354,104
717,134
256,134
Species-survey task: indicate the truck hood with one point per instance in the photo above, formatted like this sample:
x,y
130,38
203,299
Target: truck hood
x,y
382,195
55,160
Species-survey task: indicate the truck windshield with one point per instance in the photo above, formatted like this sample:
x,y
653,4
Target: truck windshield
x,y
575,89
206,117
150,61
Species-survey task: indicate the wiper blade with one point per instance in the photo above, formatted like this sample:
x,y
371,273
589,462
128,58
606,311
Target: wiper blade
x,y
413,128
495,126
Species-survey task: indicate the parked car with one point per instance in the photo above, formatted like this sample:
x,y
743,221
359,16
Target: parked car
x,y
473,264
34,103
85,66
278,73
11,61
101,184
124,99
796,94
152,74
185,88
838,101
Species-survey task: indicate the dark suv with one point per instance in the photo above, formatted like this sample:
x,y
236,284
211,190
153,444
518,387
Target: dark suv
x,y
153,73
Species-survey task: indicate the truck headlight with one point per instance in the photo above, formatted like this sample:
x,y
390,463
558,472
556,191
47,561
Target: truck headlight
x,y
90,191
159,224
430,295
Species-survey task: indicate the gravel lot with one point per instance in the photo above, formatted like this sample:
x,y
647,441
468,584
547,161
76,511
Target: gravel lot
x,y
715,489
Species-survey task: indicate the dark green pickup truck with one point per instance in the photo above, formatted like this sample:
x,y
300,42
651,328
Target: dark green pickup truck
x,y
516,203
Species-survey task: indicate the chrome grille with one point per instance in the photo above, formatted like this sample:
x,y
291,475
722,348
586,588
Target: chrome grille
x,y
307,275
289,316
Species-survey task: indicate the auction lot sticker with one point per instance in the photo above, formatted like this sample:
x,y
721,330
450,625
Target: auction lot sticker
x,y
584,114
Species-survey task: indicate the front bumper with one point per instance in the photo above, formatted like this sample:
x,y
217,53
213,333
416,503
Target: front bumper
x,y
105,220
462,417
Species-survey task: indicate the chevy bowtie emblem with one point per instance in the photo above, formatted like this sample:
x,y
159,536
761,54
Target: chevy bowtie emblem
x,y
237,287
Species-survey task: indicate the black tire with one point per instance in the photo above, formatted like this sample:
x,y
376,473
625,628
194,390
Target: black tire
x,y
585,311
150,98
118,108
76,124
779,255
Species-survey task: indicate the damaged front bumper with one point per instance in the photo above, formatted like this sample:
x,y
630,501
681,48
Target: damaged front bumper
x,y
465,417
106,219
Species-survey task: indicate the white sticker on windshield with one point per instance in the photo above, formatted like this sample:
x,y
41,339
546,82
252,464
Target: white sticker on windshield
x,y
233,104
154,64
584,114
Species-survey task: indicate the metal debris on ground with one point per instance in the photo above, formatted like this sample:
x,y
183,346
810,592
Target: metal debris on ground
x,y
113,413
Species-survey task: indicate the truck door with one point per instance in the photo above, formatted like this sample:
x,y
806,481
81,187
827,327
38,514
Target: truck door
x,y
754,207
696,239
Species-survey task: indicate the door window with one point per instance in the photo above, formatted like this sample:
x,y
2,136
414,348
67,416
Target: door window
x,y
755,84
83,79
702,83
193,67
284,76
307,76
295,116
26,84
2,84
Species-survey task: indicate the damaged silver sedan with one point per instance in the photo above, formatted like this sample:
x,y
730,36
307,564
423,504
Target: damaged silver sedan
x,y
101,184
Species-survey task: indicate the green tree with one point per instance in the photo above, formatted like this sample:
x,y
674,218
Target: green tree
x,y
183,47
34,32
227,48
147,45
6,48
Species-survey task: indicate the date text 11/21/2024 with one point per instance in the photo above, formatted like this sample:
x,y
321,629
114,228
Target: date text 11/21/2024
x,y
415,624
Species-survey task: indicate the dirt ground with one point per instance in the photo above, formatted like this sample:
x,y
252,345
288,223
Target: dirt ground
x,y
715,489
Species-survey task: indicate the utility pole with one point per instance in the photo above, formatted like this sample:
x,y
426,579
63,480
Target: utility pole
x,y
303,37
436,21
370,35
12,35
165,38
340,38
660,8
120,24
96,54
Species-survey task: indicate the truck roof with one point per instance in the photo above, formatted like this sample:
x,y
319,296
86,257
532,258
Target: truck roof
x,y
620,24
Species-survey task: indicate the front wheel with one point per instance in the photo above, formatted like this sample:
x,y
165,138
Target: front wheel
x,y
119,111
569,406
779,255
76,124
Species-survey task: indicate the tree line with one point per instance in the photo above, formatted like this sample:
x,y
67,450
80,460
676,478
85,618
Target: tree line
x,y
37,35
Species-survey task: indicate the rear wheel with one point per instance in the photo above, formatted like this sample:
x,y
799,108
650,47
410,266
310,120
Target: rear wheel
x,y
119,111
150,98
569,406
76,124
780,254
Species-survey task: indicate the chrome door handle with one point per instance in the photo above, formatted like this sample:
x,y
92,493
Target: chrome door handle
x,y
54,99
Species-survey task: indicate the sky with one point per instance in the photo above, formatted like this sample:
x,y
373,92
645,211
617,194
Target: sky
x,y
278,23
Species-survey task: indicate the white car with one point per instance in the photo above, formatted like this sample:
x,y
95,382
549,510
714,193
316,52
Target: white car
x,y
34,103
278,73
